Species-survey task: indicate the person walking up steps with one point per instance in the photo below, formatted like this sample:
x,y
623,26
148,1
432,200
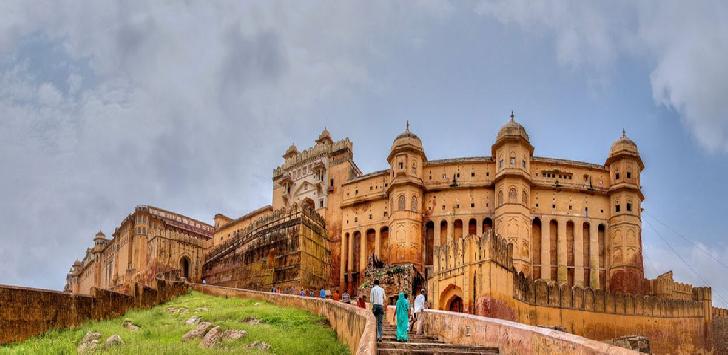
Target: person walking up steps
x,y
402,314
377,299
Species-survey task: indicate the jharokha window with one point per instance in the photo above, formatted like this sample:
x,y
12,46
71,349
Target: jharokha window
x,y
401,203
414,203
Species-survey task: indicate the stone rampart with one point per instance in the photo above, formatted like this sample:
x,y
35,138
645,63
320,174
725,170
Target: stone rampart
x,y
26,312
354,326
550,294
509,337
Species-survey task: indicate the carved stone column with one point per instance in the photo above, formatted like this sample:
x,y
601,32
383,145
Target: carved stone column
x,y
594,255
579,253
377,242
545,250
561,251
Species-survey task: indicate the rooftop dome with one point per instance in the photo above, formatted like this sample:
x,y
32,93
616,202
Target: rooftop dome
x,y
512,129
292,150
624,145
406,140
325,136
100,235
77,263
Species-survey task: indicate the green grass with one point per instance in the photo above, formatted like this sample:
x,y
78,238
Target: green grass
x,y
287,330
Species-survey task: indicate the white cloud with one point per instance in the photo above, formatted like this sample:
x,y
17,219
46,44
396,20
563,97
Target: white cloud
x,y
182,105
686,42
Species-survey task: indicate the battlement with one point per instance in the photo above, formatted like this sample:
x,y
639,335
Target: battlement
x,y
551,294
318,150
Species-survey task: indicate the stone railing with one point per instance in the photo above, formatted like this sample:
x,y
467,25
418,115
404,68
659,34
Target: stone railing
x,y
26,312
354,326
509,337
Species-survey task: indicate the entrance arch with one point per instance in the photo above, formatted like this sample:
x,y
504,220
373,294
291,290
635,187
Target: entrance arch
x,y
455,304
451,299
184,265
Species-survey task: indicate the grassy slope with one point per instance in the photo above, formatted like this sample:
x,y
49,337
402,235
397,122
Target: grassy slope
x,y
287,330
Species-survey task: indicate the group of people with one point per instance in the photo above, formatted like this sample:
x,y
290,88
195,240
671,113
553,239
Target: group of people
x,y
402,311
377,298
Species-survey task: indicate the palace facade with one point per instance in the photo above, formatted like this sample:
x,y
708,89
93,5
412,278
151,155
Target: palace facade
x,y
148,241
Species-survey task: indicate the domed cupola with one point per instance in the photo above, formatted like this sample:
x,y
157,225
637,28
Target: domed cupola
x,y
514,132
406,142
624,147
100,236
291,151
324,137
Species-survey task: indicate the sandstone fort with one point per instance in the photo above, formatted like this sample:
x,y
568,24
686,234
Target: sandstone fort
x,y
512,235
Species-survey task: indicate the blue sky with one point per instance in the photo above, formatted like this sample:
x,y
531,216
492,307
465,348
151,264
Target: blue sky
x,y
107,105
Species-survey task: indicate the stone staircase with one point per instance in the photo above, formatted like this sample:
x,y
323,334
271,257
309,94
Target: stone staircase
x,y
424,344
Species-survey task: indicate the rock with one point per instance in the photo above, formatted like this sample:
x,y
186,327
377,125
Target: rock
x,y
212,337
177,310
113,340
257,304
234,334
251,320
89,342
259,345
193,320
201,309
198,332
128,324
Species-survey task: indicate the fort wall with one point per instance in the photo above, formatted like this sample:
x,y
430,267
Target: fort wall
x,y
479,273
354,326
27,312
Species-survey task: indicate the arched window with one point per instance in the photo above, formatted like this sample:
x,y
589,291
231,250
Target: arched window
x,y
512,194
401,206
500,197
414,203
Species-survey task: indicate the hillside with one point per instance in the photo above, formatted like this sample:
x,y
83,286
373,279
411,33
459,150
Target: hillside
x,y
160,330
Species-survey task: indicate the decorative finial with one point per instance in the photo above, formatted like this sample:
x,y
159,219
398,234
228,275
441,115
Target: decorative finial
x,y
513,116
624,133
407,128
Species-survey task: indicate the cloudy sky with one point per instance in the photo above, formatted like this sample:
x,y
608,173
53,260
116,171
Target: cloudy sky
x,y
188,106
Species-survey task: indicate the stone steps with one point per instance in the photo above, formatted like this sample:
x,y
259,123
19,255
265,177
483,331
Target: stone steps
x,y
424,344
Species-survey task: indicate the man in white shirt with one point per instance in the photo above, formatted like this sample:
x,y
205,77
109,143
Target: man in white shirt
x,y
419,303
377,298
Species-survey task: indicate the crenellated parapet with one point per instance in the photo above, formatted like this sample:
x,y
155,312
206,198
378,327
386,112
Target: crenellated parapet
x,y
551,294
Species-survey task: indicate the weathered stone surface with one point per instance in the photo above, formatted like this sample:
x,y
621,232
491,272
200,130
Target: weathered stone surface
x,y
177,310
113,340
251,320
632,342
198,332
201,309
259,345
234,334
212,337
128,324
89,342
193,320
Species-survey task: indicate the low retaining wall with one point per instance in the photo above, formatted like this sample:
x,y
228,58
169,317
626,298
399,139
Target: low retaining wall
x,y
27,312
509,337
354,326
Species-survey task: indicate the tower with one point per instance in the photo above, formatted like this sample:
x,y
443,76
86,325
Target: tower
x,y
624,244
405,193
512,153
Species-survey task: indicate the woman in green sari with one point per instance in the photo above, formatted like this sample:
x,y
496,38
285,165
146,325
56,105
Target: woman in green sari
x,y
402,314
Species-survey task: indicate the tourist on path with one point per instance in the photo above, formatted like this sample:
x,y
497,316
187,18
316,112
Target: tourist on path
x,y
402,314
345,297
361,303
322,293
336,295
377,298
419,303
